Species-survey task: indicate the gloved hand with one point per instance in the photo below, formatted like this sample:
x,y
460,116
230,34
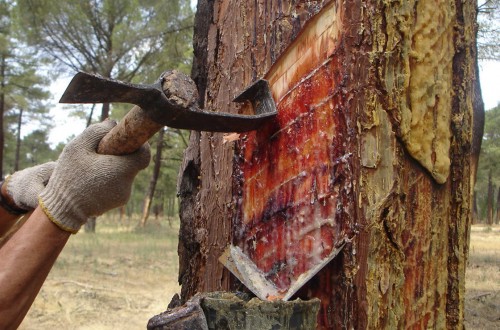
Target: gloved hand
x,y
24,186
85,183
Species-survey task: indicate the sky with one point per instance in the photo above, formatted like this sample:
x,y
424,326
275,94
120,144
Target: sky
x,y
66,125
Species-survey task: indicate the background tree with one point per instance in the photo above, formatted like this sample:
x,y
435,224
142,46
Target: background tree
x,y
489,30
161,191
116,39
488,176
23,84
131,41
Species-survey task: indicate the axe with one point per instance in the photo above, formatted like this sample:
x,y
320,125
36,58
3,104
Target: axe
x,y
171,101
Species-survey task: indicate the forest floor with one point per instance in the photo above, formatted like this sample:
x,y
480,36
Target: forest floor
x,y
482,279
118,278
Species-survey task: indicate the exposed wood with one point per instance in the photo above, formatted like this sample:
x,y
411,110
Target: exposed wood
x,y
290,173
399,115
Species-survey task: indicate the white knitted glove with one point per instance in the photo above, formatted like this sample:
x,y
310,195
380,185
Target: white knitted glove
x,y
85,183
24,186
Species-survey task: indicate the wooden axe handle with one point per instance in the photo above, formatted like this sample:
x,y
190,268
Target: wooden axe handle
x,y
135,129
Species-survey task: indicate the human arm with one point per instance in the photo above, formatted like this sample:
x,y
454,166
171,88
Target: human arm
x,y
83,184
26,260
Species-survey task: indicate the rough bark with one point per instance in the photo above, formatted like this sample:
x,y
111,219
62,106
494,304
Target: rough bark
x,y
404,91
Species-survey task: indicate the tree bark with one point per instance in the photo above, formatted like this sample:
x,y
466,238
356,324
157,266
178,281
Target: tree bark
x,y
401,92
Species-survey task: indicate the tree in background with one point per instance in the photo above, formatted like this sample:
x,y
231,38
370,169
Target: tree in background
x,y
489,30
131,41
22,88
488,177
161,190
116,39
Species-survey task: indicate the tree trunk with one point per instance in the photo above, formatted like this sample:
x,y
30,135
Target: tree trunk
x,y
18,140
89,118
2,112
374,130
497,218
475,211
154,179
490,200
105,111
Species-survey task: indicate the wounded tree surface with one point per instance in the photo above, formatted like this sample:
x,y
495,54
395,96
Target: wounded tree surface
x,y
388,115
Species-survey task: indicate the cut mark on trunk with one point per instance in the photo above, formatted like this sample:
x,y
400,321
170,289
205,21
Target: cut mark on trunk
x,y
289,216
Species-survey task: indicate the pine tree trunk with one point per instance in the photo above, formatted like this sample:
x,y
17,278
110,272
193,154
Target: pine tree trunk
x,y
18,140
389,112
497,218
154,179
2,112
105,111
490,200
475,210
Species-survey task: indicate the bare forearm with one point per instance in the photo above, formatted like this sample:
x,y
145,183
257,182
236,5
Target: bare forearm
x,y
25,261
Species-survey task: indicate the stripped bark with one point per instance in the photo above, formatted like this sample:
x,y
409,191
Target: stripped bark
x,y
403,84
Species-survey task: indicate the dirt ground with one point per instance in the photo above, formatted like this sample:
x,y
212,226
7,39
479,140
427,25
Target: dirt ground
x,y
119,278
482,279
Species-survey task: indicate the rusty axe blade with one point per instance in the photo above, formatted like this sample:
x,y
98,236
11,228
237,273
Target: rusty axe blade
x,y
171,101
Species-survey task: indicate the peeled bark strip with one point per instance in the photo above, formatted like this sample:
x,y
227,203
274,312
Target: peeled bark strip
x,y
371,142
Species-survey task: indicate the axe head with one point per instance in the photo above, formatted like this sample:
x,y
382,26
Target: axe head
x,y
91,88
259,95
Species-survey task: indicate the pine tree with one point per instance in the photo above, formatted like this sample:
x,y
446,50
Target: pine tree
x,y
22,87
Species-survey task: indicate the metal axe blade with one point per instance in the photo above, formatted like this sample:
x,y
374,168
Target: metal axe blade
x,y
171,101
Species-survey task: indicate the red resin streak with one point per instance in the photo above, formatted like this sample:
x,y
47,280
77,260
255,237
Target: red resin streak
x,y
288,216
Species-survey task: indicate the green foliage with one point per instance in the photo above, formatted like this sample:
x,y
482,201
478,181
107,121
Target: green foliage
x,y
488,20
23,94
115,38
489,159
130,40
